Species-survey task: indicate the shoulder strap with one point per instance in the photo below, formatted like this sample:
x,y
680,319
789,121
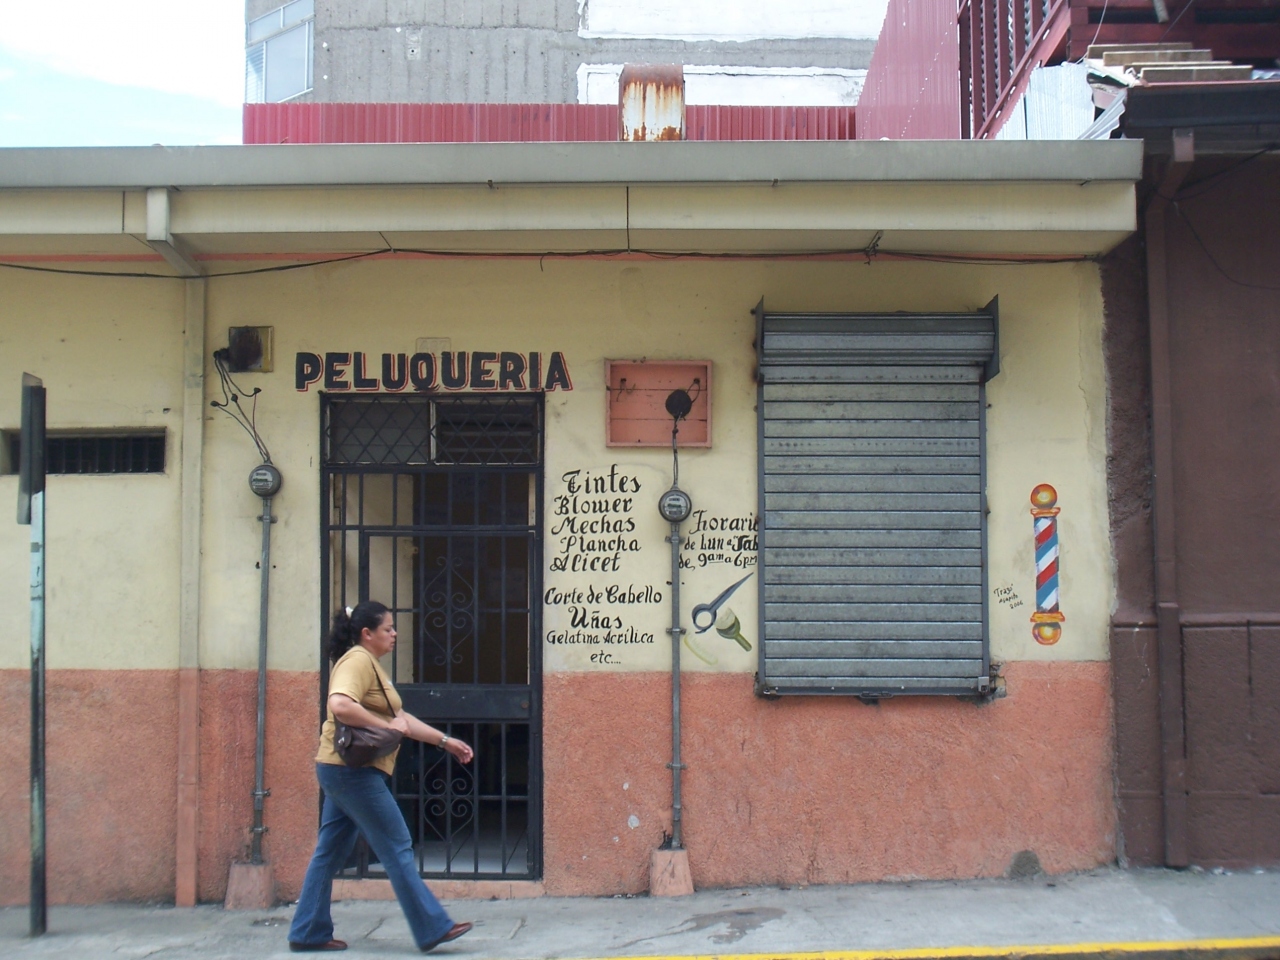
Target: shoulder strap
x,y
377,675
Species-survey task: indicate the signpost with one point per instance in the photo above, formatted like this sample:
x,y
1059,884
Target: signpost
x,y
31,472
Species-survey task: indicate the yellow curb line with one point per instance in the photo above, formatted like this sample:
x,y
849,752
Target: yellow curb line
x,y
1243,946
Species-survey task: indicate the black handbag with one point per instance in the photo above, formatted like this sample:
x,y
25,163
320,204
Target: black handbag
x,y
360,746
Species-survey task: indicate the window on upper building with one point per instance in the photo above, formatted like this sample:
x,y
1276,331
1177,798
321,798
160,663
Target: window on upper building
x,y
278,53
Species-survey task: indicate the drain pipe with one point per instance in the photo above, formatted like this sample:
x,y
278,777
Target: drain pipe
x,y
669,866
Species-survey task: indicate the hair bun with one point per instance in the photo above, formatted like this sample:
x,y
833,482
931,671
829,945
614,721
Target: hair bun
x,y
348,622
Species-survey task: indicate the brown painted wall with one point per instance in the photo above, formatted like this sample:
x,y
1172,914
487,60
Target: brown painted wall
x,y
1225,354
1233,744
1135,675
1224,322
1126,349
827,790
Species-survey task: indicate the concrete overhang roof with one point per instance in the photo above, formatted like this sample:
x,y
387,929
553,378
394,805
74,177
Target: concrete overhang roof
x,y
201,205
564,163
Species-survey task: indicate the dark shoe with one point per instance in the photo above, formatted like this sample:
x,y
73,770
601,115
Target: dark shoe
x,y
457,930
310,947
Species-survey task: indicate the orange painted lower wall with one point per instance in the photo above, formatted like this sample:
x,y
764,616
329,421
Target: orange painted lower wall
x,y
112,781
812,790
826,789
228,726
111,784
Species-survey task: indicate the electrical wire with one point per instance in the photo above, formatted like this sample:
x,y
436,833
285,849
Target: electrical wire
x,y
277,268
231,406
1214,260
1102,17
869,254
1190,4
90,273
1214,180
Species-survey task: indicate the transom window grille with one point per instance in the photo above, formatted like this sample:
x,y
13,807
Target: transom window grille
x,y
279,53
94,453
476,430
872,477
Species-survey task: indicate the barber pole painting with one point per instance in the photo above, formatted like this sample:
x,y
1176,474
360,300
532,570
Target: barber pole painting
x,y
1047,620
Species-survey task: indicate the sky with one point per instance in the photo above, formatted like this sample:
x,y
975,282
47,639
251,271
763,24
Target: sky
x,y
138,72
120,72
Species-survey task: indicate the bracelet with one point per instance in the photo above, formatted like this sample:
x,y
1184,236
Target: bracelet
x,y
444,738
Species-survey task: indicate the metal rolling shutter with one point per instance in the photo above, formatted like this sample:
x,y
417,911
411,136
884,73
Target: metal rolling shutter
x,y
873,534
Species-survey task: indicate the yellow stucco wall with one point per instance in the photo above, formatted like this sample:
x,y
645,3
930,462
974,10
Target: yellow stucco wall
x,y
110,352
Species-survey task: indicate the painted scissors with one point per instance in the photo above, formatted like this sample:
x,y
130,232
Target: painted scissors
x,y
712,609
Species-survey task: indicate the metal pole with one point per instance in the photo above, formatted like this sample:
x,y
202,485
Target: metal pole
x,y
674,507
259,792
39,889
676,632
31,470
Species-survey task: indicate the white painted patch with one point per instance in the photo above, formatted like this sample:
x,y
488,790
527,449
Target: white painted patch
x,y
1058,105
740,86
626,786
633,821
738,21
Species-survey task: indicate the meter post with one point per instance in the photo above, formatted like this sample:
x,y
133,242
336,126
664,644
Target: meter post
x,y
675,506
264,481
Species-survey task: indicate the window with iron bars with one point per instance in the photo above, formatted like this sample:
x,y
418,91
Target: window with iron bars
x,y
470,431
92,453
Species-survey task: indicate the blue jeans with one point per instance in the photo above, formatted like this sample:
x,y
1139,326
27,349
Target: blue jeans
x,y
359,800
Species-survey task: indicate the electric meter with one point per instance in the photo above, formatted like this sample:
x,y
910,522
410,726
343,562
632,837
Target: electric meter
x,y
265,480
675,505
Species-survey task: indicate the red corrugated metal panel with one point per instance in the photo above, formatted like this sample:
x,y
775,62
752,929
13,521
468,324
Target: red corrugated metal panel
x,y
912,90
769,123
522,122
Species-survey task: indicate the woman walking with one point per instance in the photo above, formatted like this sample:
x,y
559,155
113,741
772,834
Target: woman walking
x,y
359,799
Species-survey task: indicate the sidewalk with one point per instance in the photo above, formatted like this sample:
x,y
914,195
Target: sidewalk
x,y
1082,915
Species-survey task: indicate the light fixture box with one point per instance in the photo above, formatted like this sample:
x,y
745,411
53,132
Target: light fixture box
x,y
249,349
636,394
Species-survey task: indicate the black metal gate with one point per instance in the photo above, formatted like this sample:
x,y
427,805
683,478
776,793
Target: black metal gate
x,y
433,505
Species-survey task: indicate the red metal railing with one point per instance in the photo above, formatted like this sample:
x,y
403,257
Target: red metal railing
x,y
1003,41
522,122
